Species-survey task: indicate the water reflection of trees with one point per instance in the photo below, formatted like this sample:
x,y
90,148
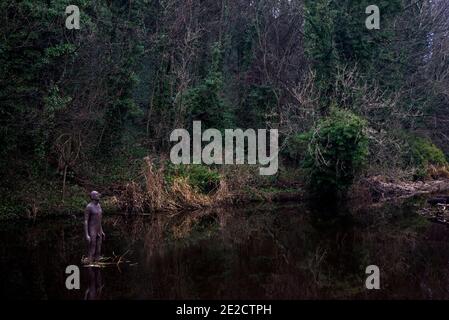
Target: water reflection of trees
x,y
289,253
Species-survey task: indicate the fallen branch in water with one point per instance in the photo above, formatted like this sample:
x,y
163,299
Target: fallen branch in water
x,y
106,261
438,214
383,190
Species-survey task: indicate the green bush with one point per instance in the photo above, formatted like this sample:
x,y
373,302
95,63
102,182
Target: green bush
x,y
296,147
337,148
423,153
202,178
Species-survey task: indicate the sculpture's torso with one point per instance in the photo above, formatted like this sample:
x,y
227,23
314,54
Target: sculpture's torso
x,y
95,215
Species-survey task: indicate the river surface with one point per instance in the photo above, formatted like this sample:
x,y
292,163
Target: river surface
x,y
263,251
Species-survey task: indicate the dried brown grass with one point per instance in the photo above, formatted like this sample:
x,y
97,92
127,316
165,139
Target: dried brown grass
x,y
438,172
132,199
155,194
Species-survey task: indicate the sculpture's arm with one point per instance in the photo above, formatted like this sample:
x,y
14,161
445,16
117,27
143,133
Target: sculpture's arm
x,y
103,236
86,223
102,232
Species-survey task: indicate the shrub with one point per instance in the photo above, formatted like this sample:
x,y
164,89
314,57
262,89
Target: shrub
x,y
424,154
296,147
200,177
337,148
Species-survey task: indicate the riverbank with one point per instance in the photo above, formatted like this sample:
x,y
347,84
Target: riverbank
x,y
372,190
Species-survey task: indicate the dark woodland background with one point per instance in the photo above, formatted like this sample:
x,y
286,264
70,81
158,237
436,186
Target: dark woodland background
x,y
81,109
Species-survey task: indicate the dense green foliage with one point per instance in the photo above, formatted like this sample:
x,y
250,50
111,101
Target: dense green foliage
x,y
204,102
424,152
337,150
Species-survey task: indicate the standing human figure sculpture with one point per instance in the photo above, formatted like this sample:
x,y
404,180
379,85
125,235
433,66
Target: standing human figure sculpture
x,y
92,227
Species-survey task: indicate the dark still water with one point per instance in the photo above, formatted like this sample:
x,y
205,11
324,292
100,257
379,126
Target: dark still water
x,y
252,252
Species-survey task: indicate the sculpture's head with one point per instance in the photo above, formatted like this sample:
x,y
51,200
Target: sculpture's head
x,y
95,195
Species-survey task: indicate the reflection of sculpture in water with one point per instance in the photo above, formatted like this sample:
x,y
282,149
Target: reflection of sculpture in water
x,y
92,227
93,291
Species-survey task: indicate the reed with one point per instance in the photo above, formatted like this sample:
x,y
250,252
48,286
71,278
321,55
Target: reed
x,y
156,194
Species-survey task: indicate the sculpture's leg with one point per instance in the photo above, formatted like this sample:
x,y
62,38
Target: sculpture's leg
x,y
98,247
92,248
